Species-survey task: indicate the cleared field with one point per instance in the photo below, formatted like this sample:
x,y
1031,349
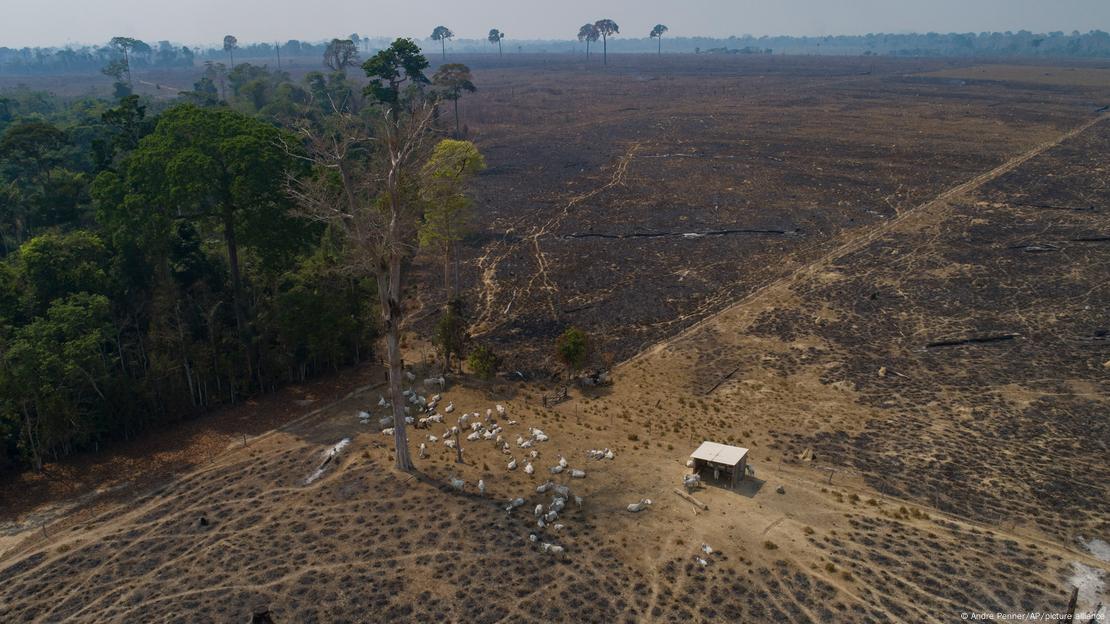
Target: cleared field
x,y
637,201
913,288
1090,76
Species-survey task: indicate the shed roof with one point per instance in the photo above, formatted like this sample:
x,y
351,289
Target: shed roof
x,y
720,453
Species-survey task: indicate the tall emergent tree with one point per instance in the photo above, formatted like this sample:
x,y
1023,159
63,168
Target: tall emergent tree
x,y
590,34
442,34
230,43
366,185
452,80
399,65
657,33
363,188
606,28
126,45
495,36
341,54
447,214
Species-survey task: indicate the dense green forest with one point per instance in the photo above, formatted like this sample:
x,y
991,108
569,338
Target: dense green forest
x,y
155,263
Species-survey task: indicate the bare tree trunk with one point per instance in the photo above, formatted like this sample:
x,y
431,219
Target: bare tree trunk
x,y
390,289
604,49
36,454
447,270
457,135
455,246
237,287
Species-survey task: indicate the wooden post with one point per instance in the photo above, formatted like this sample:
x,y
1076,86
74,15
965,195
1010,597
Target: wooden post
x,y
1071,604
458,448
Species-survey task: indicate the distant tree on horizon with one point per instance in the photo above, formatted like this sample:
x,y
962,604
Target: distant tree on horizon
x,y
606,28
340,54
125,45
495,36
230,43
657,33
452,79
442,34
589,34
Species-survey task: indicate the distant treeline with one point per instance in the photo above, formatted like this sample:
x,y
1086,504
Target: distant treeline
x,y
143,55
1093,44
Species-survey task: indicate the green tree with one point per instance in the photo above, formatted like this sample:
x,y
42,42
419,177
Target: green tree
x,y
589,34
225,170
391,69
332,92
452,79
446,218
442,34
483,362
51,369
606,28
125,125
495,37
42,192
54,266
657,33
450,334
573,348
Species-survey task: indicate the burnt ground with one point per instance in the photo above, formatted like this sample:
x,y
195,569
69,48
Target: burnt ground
x,y
635,201
944,364
1021,268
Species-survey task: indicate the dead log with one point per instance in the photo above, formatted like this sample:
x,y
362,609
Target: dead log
x,y
691,499
722,380
970,341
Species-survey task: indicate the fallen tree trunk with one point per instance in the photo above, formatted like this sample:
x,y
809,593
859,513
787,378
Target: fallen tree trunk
x,y
972,340
691,499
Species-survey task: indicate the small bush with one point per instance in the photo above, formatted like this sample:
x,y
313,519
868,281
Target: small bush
x,y
483,362
769,545
573,347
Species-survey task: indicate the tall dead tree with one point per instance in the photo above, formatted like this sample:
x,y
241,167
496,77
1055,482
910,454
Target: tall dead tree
x,y
364,187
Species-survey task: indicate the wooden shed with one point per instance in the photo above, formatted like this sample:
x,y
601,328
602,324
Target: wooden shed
x,y
720,463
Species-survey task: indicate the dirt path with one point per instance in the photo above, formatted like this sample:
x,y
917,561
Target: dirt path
x,y
488,263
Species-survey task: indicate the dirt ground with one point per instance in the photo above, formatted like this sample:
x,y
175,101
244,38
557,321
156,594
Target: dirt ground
x,y
928,385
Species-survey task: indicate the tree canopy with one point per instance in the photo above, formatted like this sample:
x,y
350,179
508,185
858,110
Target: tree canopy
x,y
341,54
495,36
442,34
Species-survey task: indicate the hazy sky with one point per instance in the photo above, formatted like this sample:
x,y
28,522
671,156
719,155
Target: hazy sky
x,y
53,22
